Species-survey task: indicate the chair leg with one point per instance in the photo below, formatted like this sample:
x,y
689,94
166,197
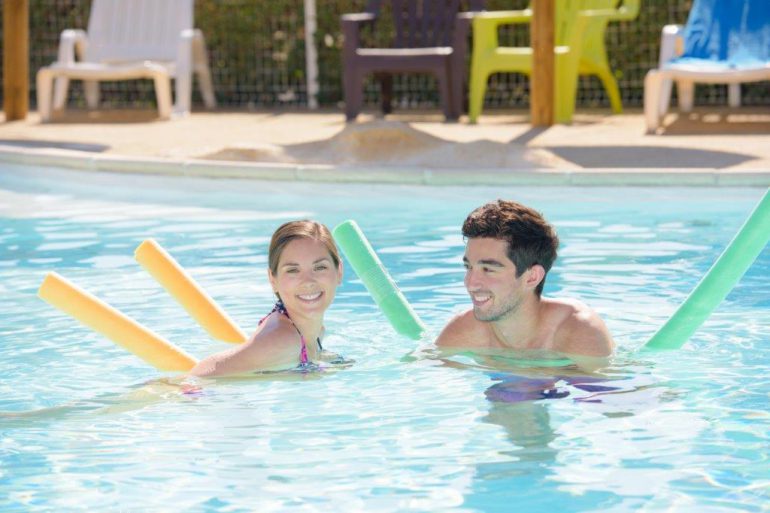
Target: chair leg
x,y
459,86
443,80
352,83
183,90
183,77
653,87
565,88
91,91
611,86
666,86
60,87
593,60
734,95
163,94
44,92
207,88
476,91
456,88
386,92
686,91
201,67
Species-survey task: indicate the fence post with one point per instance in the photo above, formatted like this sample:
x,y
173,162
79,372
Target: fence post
x,y
541,85
311,54
15,59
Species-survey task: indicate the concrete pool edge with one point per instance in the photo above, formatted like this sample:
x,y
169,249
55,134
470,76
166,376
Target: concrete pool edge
x,y
87,161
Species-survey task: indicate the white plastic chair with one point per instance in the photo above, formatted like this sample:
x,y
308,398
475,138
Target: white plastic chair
x,y
724,42
128,40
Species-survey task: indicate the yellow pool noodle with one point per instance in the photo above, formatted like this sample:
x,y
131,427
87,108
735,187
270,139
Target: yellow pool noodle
x,y
116,326
188,293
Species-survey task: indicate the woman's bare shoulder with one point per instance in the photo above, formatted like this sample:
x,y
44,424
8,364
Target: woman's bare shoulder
x,y
274,345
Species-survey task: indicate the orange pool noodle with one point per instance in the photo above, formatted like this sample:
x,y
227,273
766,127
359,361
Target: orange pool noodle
x,y
116,326
187,292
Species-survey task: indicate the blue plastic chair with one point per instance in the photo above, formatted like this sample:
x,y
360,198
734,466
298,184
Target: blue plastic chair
x,y
724,42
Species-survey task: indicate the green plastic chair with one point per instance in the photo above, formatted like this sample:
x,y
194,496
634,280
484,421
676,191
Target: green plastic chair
x,y
580,50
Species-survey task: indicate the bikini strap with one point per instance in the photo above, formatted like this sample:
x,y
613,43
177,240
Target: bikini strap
x,y
277,308
280,308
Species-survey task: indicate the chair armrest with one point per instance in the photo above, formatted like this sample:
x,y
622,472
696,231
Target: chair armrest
x,y
628,11
351,29
460,37
200,57
610,14
184,52
72,46
358,17
463,26
485,27
490,20
671,43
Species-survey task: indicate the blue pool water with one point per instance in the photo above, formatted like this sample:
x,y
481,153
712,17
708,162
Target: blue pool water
x,y
86,426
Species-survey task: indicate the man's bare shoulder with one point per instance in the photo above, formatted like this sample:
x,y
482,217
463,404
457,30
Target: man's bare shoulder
x,y
463,331
580,331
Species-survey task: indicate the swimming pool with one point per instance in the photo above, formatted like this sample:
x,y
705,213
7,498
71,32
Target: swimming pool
x,y
85,426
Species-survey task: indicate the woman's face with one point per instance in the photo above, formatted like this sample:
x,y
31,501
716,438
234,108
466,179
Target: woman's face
x,y
306,278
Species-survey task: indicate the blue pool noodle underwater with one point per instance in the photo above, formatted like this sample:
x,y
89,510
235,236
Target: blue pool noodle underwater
x,y
718,281
377,280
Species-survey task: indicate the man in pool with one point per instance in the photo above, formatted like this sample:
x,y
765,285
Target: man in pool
x,y
510,249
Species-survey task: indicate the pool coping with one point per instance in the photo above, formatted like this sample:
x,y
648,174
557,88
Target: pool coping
x,y
220,169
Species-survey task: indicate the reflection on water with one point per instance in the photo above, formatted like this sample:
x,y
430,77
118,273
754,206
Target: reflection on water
x,y
526,468
521,405
142,396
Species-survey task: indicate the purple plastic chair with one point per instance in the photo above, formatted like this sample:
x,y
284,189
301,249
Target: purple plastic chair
x,y
431,36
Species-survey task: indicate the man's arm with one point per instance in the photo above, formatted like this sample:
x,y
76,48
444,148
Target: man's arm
x,y
462,331
584,333
449,335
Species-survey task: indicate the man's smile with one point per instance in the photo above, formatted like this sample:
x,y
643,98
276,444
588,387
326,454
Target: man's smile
x,y
480,298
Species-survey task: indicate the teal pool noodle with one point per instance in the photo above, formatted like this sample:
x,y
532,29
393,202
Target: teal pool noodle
x,y
718,281
378,282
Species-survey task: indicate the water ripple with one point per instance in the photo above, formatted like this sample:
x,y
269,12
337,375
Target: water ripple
x,y
86,426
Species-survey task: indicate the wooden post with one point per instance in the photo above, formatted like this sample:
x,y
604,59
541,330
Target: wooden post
x,y
15,59
541,85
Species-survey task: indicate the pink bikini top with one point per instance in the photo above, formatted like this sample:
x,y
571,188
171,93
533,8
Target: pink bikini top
x,y
303,359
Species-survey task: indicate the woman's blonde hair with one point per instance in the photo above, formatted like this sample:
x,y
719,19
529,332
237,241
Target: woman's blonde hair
x,y
292,230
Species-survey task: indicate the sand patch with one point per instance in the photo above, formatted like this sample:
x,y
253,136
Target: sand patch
x,y
392,143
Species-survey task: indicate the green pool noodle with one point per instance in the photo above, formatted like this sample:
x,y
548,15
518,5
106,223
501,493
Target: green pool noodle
x,y
718,281
377,280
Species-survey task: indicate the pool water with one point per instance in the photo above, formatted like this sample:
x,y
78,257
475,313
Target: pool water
x,y
86,426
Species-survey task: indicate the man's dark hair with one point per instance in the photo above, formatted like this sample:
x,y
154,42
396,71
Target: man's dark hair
x,y
531,240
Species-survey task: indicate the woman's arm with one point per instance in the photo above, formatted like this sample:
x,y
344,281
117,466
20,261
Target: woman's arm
x,y
274,346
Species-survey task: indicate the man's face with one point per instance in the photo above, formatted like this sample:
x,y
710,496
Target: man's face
x,y
490,278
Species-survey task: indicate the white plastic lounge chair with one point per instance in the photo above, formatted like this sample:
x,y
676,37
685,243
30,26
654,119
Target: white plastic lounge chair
x,y
128,40
724,42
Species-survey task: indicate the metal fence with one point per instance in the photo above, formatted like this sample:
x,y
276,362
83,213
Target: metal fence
x,y
257,56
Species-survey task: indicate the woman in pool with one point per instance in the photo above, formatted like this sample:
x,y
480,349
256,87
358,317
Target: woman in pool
x,y
304,268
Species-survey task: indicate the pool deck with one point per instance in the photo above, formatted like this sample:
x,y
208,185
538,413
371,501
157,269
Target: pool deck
x,y
712,146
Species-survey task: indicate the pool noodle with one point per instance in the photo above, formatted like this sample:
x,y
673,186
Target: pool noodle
x,y
187,292
718,281
378,282
116,326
